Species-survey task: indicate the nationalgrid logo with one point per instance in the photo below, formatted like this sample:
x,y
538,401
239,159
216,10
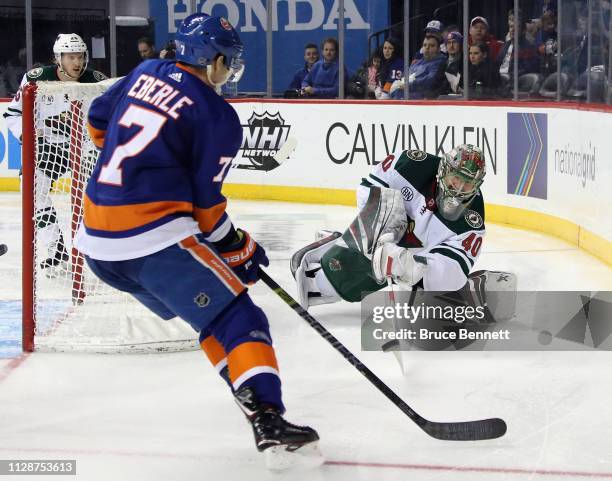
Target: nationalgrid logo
x,y
527,154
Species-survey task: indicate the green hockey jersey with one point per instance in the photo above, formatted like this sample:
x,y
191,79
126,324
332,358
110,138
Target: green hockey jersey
x,y
451,247
53,106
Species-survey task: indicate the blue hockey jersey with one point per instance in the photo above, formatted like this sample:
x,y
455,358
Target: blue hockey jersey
x,y
167,142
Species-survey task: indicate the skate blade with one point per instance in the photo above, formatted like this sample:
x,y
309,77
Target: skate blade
x,y
278,458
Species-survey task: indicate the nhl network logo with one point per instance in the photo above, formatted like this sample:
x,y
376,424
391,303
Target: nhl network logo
x,y
263,136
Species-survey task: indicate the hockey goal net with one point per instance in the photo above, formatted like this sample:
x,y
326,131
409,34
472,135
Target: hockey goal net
x,y
65,306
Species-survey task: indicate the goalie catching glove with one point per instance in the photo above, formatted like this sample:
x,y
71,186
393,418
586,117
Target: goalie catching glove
x,y
395,262
244,256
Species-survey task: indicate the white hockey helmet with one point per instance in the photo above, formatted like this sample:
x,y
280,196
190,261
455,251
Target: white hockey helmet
x,y
69,43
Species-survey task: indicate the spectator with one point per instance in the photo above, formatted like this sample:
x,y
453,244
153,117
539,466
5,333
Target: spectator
x,y
363,83
449,79
484,77
546,40
434,27
311,55
146,49
12,73
479,33
391,68
422,73
373,68
322,81
169,51
448,29
528,58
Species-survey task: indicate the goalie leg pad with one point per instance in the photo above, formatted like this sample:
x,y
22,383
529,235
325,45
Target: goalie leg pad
x,y
496,290
306,270
313,287
382,215
312,253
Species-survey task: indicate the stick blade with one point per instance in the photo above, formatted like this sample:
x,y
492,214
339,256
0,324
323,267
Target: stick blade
x,y
286,150
466,431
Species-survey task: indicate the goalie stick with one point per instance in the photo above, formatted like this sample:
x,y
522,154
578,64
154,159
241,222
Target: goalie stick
x,y
447,431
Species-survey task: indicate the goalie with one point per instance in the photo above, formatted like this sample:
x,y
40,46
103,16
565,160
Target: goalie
x,y
52,130
421,223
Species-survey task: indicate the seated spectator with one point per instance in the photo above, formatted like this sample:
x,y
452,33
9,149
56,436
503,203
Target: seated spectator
x,y
146,49
528,57
422,73
449,79
546,41
169,51
322,81
363,83
448,29
434,27
483,75
12,73
479,33
391,68
311,55
373,68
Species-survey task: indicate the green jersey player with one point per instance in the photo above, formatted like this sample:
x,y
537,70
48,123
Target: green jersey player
x,y
71,58
421,223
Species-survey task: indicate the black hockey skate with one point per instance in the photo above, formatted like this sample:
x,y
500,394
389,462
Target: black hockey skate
x,y
285,445
60,255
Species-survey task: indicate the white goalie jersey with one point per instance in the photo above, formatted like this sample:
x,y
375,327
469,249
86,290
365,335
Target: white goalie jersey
x,y
451,247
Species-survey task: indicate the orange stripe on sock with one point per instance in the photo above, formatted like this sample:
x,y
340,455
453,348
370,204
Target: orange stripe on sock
x,y
213,350
211,260
249,355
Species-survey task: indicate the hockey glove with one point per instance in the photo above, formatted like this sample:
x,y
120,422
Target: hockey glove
x,y
392,261
244,256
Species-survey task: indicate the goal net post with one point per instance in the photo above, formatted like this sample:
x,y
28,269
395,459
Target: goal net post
x,y
65,306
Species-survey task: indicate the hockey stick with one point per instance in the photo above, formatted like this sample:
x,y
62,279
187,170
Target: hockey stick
x,y
459,431
3,249
286,150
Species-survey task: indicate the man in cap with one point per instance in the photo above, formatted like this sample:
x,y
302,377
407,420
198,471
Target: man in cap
x,y
479,33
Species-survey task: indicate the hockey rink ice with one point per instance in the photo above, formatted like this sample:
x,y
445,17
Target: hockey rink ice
x,y
169,417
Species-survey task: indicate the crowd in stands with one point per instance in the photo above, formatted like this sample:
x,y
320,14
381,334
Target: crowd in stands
x,y
436,70
436,67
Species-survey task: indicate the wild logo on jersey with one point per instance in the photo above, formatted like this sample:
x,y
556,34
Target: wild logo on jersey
x,y
263,136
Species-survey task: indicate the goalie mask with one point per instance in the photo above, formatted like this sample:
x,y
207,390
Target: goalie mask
x,y
460,174
70,43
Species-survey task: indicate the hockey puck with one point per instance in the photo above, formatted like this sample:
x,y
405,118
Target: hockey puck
x,y
391,346
3,249
545,338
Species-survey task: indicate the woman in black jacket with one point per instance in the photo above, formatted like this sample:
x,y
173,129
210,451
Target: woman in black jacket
x,y
483,74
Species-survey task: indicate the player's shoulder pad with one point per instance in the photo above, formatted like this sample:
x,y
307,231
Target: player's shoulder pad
x,y
46,72
92,76
473,217
417,166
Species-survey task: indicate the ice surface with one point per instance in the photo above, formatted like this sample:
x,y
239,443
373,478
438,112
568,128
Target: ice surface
x,y
168,416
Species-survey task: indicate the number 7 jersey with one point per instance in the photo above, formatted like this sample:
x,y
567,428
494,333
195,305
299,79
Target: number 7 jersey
x,y
167,142
451,247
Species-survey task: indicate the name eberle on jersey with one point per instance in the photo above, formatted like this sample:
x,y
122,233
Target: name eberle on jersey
x,y
158,93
